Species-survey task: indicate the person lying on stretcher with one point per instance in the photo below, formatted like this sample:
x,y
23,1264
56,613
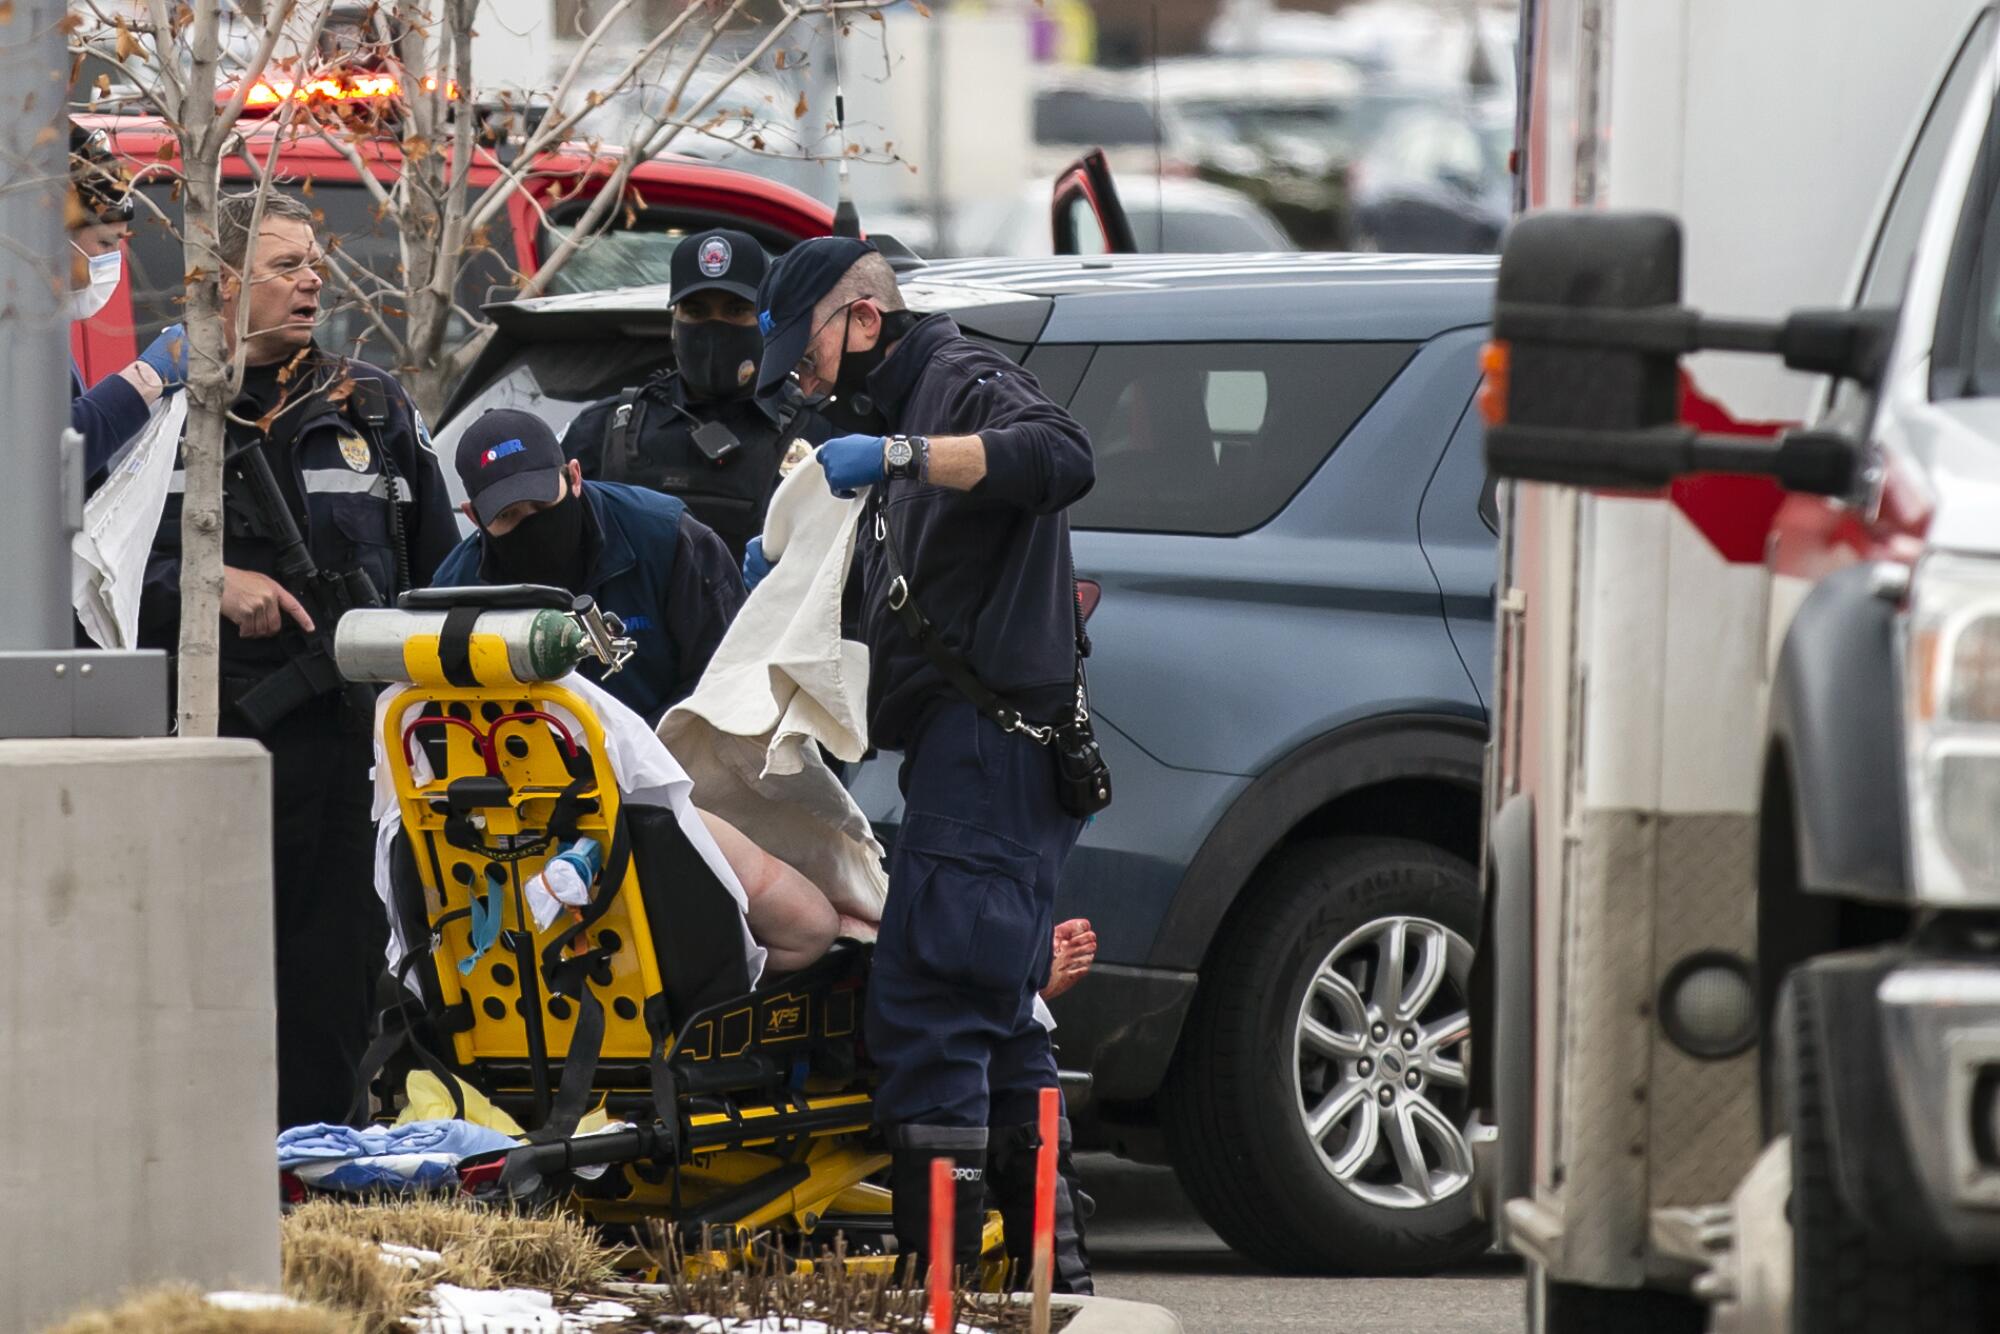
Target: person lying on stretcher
x,y
792,919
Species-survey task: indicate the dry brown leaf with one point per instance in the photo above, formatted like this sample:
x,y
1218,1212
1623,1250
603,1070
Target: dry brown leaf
x,y
69,23
104,83
779,60
306,187
47,135
799,111
6,11
166,152
416,148
128,45
596,99
921,7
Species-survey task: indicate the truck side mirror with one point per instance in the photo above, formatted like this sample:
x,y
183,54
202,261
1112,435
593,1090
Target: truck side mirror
x,y
1583,375
1556,263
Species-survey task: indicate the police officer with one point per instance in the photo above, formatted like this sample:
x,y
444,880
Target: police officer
x,y
351,464
700,431
638,553
976,467
110,412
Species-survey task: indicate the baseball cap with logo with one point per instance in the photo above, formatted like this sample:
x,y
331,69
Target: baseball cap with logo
x,y
719,260
507,456
806,272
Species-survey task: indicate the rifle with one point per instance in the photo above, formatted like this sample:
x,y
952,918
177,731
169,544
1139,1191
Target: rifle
x,y
309,669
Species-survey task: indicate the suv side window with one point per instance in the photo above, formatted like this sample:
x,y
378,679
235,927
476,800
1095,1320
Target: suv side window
x,y
1217,438
1888,271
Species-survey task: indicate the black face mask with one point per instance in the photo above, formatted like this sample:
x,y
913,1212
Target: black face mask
x,y
851,407
717,359
545,548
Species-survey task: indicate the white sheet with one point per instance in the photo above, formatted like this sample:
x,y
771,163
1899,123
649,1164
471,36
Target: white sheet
x,y
782,684
119,524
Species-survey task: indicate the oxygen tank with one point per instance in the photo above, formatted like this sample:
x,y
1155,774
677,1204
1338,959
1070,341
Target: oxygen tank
x,y
509,647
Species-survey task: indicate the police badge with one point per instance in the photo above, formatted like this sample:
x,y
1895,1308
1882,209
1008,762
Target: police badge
x,y
354,452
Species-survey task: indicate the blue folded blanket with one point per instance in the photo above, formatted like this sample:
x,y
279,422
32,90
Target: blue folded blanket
x,y
420,1154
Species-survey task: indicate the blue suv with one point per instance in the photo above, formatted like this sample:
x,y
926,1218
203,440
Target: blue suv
x,y
1288,561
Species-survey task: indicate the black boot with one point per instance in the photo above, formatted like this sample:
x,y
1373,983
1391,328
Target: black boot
x,y
912,1148
1012,1186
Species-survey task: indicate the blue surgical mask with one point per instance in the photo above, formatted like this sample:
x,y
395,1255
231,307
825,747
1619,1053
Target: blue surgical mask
x,y
105,271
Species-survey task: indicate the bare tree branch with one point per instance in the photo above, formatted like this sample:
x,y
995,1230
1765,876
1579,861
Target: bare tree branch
x,y
274,28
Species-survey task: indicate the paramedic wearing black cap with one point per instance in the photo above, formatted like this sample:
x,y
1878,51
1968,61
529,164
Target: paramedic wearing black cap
x,y
978,467
698,430
638,553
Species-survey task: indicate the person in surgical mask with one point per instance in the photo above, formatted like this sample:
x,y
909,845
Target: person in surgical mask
x,y
696,429
111,412
641,555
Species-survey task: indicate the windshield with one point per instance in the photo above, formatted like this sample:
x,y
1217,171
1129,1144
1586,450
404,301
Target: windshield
x,y
615,259
1965,356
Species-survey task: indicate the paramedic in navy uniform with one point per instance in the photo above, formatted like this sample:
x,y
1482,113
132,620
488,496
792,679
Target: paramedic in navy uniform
x,y
979,467
638,553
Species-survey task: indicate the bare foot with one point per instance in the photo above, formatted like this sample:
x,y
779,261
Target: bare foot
x,y
1075,951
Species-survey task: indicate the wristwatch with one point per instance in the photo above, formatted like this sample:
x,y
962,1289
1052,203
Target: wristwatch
x,y
906,458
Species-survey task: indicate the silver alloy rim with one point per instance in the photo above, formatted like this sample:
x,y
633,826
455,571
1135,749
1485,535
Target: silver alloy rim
x,y
1378,1062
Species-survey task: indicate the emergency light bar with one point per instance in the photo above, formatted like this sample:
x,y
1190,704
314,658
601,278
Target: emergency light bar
x,y
267,94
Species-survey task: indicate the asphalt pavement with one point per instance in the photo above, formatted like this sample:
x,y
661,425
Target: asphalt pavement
x,y
1148,1244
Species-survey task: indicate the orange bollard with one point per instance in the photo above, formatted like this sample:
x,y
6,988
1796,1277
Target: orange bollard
x,y
943,1246
1045,1208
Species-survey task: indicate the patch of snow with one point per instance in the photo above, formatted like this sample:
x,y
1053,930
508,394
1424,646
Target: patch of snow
x,y
252,1301
456,1310
409,1257
713,1324
597,1311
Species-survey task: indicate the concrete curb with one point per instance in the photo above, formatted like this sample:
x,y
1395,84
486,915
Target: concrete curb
x,y
1113,1315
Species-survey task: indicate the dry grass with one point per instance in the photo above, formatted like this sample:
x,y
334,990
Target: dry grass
x,y
770,1285
183,1310
482,1248
349,1274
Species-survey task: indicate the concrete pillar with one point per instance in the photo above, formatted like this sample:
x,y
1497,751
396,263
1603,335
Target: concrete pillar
x,y
138,1077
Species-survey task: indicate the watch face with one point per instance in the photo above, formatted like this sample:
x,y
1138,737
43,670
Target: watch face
x,y
900,453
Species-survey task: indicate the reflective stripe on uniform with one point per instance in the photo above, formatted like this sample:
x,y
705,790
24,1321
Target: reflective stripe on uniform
x,y
324,481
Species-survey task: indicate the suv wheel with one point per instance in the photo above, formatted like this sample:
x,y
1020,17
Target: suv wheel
x,y
1316,1106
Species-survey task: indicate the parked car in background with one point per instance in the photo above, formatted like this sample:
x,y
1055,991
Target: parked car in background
x,y
1275,129
1082,108
1287,563
1169,215
1433,179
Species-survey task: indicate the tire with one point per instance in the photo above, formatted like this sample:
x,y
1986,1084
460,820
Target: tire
x,y
1249,1071
1575,1308
1845,1280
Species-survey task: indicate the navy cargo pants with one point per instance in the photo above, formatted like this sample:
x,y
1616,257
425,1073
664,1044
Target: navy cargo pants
x,y
968,928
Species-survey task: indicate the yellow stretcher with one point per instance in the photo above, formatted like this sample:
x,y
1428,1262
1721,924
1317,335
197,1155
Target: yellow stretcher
x,y
745,1112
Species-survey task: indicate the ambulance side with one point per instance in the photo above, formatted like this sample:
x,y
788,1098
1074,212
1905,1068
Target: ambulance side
x,y
1632,652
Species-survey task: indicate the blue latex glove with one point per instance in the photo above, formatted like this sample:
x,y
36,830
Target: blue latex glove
x,y
851,462
755,565
168,356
